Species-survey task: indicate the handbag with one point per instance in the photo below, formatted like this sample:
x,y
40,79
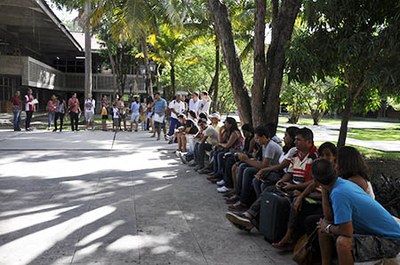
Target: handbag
x,y
302,253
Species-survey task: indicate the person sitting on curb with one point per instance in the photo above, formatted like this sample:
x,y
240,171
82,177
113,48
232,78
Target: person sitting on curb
x,y
271,152
361,228
208,140
297,178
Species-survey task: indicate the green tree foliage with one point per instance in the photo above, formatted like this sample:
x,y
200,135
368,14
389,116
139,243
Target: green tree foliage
x,y
357,41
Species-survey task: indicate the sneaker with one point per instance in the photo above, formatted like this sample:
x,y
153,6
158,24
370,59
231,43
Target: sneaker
x,y
183,158
237,218
221,182
223,189
197,168
192,163
170,142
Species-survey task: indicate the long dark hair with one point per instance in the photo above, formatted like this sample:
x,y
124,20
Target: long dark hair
x,y
291,131
233,124
351,163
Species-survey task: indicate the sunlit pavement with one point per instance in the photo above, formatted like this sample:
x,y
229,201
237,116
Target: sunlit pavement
x,y
103,198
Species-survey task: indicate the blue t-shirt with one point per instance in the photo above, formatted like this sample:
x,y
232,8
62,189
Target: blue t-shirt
x,y
135,107
351,203
160,106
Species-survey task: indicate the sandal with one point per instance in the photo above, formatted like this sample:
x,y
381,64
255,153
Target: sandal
x,y
283,246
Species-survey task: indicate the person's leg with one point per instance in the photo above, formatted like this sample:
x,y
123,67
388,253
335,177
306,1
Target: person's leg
x,y
257,187
172,125
326,245
28,120
239,176
229,162
76,121
49,119
247,194
55,121
158,129
15,120
220,164
344,249
18,120
61,121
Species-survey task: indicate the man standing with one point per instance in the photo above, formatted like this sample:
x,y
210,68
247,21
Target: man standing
x,y
159,106
16,101
361,228
73,106
204,104
90,104
29,109
176,106
135,110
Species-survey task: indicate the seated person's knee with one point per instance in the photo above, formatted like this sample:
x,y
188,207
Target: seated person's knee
x,y
343,243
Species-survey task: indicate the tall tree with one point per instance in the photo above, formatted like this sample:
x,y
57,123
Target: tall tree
x,y
362,50
263,107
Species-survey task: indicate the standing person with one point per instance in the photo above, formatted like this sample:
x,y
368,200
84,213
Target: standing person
x,y
90,104
60,112
104,116
74,109
159,106
194,102
122,113
135,108
29,109
143,114
361,229
116,118
51,110
176,106
16,101
204,104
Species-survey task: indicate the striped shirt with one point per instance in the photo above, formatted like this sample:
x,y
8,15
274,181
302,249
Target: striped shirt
x,y
300,166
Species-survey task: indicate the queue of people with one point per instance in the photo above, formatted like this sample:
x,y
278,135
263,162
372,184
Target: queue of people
x,y
325,189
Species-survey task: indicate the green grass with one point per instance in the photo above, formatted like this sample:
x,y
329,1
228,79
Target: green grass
x,y
309,121
387,134
377,155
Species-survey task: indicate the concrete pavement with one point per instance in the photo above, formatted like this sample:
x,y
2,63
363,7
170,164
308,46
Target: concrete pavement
x,y
103,198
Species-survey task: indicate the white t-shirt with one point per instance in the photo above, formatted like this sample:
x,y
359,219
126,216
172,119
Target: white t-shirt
x,y
194,105
179,107
89,105
292,151
204,106
212,135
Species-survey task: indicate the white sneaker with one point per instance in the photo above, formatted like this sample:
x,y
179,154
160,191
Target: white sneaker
x,y
221,182
223,189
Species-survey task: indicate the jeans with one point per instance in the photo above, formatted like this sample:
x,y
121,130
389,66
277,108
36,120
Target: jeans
x,y
239,174
16,120
74,121
61,116
173,123
28,119
219,163
50,118
247,195
200,153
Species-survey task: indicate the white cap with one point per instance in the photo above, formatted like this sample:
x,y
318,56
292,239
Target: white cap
x,y
214,115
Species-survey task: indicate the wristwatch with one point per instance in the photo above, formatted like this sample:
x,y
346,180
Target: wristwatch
x,y
328,228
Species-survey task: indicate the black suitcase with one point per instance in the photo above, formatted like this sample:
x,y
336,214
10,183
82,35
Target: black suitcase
x,y
274,216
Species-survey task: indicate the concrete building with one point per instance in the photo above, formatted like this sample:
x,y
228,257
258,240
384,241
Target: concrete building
x,y
38,51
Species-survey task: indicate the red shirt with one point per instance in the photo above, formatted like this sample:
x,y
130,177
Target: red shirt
x,y
15,101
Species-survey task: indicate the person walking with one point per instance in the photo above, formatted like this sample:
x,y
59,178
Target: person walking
x,y
29,109
60,112
74,109
16,101
135,108
51,110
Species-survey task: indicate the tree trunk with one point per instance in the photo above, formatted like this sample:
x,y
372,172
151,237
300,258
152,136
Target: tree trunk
x,y
257,90
316,116
88,50
223,29
345,121
114,71
214,88
148,83
283,18
173,85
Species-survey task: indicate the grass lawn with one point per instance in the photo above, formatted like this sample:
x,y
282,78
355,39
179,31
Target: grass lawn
x,y
388,134
309,121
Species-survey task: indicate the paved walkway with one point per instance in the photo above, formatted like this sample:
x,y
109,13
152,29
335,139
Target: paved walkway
x,y
105,198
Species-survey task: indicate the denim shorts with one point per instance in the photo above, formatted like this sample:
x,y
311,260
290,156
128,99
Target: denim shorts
x,y
369,247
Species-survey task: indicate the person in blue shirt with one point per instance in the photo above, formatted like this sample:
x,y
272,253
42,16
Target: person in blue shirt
x,y
159,106
361,228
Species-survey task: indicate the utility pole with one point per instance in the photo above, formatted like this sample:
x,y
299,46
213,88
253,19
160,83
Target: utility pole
x,y
88,50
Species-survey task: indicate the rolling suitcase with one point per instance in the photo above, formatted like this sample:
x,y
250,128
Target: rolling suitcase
x,y
274,216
